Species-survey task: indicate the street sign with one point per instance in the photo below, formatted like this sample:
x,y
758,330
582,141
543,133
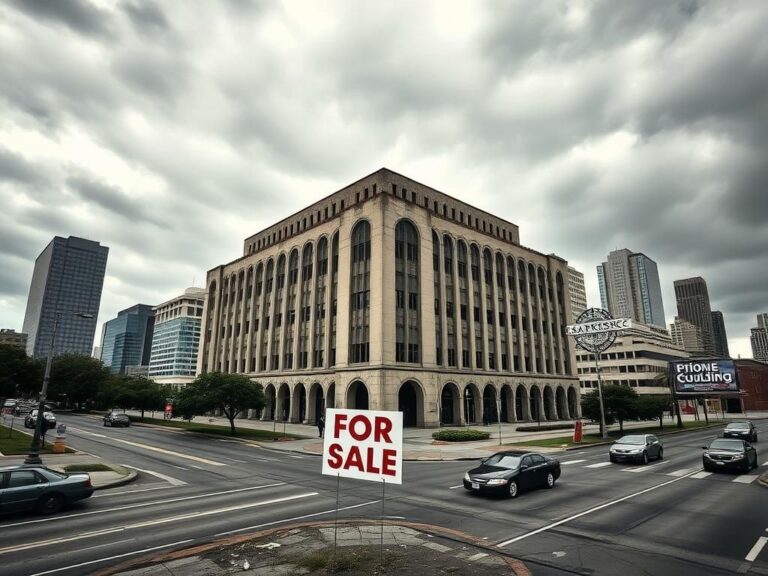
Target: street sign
x,y
598,326
364,444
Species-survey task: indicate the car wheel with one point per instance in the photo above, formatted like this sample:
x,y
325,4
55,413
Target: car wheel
x,y
661,453
512,489
550,481
645,457
50,503
707,467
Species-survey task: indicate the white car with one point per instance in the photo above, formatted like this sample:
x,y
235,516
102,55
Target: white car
x,y
30,420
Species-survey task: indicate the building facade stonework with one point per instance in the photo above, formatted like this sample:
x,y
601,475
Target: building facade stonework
x,y
391,295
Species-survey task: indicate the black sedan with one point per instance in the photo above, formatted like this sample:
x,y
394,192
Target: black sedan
x,y
511,472
742,430
39,488
729,454
117,419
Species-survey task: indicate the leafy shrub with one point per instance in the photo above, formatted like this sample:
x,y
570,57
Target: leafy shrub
x,y
460,435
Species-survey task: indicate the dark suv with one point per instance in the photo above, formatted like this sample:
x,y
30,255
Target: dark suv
x,y
117,419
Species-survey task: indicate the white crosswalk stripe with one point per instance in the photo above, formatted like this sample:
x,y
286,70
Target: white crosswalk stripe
x,y
645,468
700,475
571,462
681,472
745,478
599,465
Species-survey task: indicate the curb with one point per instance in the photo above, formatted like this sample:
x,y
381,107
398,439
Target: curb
x,y
517,566
763,480
127,479
670,433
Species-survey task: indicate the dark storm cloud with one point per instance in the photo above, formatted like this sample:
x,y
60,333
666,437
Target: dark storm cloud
x,y
15,168
78,15
112,199
146,17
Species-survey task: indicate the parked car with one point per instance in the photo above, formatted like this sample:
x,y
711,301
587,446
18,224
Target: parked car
x,y
117,419
729,454
511,472
10,406
636,448
30,420
743,430
40,488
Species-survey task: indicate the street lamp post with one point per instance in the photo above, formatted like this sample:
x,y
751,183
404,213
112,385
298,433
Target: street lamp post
x,y
34,451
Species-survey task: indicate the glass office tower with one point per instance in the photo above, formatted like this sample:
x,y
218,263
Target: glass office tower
x,y
127,339
67,281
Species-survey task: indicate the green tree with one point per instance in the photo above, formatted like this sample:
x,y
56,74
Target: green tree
x,y
19,374
77,378
229,393
143,394
619,402
590,408
664,380
649,407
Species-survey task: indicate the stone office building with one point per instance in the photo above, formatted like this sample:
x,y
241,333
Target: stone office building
x,y
391,295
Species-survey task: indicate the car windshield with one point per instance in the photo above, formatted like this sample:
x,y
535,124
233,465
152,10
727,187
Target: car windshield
x,y
738,426
504,460
723,444
640,440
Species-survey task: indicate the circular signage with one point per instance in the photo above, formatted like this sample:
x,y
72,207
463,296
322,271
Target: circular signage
x,y
599,341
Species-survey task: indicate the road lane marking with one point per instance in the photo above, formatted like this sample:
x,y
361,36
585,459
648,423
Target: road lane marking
x,y
170,479
756,549
454,487
585,512
700,475
570,462
644,467
106,494
142,551
143,505
764,464
681,472
599,465
745,478
331,511
191,515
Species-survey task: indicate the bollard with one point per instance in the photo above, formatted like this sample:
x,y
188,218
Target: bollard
x,y
59,445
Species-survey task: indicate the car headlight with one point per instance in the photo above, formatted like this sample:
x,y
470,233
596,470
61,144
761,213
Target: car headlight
x,y
496,482
636,451
466,477
738,456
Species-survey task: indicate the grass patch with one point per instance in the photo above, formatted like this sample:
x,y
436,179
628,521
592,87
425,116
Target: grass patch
x,y
72,468
249,433
12,441
357,560
460,435
612,435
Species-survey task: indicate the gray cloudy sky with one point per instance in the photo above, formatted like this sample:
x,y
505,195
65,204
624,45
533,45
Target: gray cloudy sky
x,y
170,131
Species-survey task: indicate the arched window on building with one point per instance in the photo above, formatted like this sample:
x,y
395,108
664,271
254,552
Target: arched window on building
x,y
407,294
360,294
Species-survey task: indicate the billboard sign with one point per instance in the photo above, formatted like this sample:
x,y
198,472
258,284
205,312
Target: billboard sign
x,y
704,376
364,444
598,326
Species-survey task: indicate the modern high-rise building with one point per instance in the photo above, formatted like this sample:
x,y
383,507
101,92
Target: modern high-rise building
x,y
127,339
67,282
391,295
10,337
630,287
687,336
577,293
693,305
759,338
719,334
177,338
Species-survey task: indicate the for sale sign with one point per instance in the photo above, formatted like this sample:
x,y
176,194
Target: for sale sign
x,y
364,444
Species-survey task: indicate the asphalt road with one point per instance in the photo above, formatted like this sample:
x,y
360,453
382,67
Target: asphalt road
x,y
666,518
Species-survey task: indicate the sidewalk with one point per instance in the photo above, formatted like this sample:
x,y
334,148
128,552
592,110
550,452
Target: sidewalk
x,y
419,445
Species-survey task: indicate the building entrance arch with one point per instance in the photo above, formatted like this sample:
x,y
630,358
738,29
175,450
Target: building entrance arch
x,y
316,402
490,415
507,415
521,403
450,406
549,404
270,404
535,403
411,403
573,403
283,403
357,396
471,403
561,404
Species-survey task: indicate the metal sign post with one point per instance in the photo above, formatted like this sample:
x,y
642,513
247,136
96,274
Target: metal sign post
x,y
595,331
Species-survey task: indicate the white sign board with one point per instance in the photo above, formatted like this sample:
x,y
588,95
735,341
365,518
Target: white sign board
x,y
598,326
364,444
